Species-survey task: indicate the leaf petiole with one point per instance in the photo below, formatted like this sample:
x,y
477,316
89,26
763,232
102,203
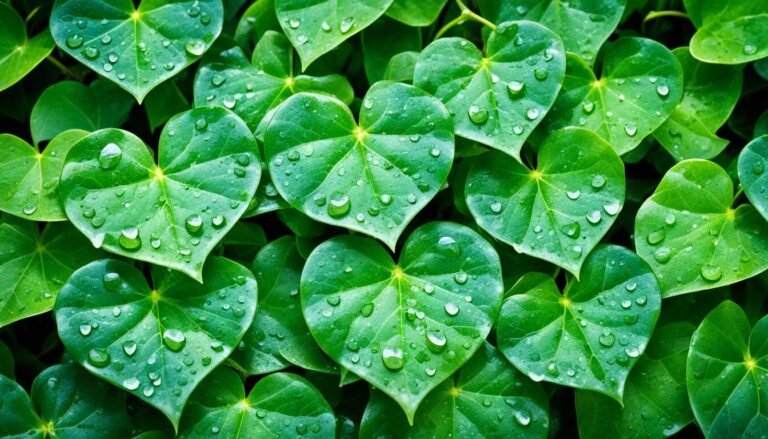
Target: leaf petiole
x,y
64,69
466,14
661,14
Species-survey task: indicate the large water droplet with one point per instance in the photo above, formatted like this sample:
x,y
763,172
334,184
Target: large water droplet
x,y
573,195
451,309
478,115
346,24
630,129
607,339
522,417
594,217
174,339
711,273
129,347
74,41
588,107
572,230
448,246
436,340
339,205
515,89
662,255
131,383
656,237
194,224
110,156
393,358
195,47
129,239
662,90
598,181
750,49
99,358
112,281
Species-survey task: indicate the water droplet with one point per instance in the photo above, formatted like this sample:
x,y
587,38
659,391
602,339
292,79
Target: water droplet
x,y
129,347
325,26
662,255
110,156
460,278
448,246
515,89
656,237
573,195
339,205
607,339
195,47
496,207
588,107
451,309
630,129
346,24
598,181
478,115
366,310
194,223
131,383
174,339
129,238
572,230
522,417
29,210
532,114
594,217
106,39
631,286
99,358
750,49
91,52
385,199
711,273
334,300
218,221
436,340
632,351
393,358
112,281
294,23
541,74
662,90
74,41
670,219
113,58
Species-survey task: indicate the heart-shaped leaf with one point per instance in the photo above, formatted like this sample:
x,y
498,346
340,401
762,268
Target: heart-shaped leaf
x,y
706,105
729,31
252,89
71,105
316,27
418,14
690,235
583,25
727,374
66,399
640,86
156,343
497,97
172,213
590,336
279,405
29,179
35,265
751,168
19,54
372,177
278,336
136,48
486,398
403,327
655,397
560,210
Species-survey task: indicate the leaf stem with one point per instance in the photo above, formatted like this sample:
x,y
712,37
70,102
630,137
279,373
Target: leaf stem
x,y
466,14
64,69
661,14
738,195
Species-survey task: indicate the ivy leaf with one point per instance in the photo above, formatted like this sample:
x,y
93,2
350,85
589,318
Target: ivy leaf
x,y
70,105
706,105
34,265
690,235
29,179
136,48
729,31
728,373
421,13
751,170
591,335
172,213
497,97
583,25
557,212
486,398
252,89
156,343
278,336
640,86
316,27
279,405
384,39
655,398
18,53
372,177
403,327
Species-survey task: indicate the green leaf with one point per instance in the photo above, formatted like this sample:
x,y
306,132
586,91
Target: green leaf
x,y
372,177
486,398
7,362
29,179
557,212
403,327
591,335
278,336
244,241
690,235
727,374
584,25
498,96
761,126
136,48
173,213
401,67
156,343
255,22
163,102
267,198
18,53
279,405
655,398
68,403
416,13
751,169
252,89
706,105
384,39
316,27
729,31
641,84
71,105
34,265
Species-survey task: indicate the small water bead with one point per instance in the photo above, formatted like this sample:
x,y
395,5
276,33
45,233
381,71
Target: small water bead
x,y
294,23
711,273
632,351
113,57
195,47
429,288
346,24
612,208
436,341
662,255
662,90
110,156
598,181
478,115
131,383
174,339
573,195
29,210
460,278
588,107
334,300
393,358
572,230
430,371
532,114
385,199
434,152
541,74
411,198
451,309
99,358
607,339
91,52
325,26
129,347
74,41
194,223
626,303
496,207
339,205
130,239
594,217
630,129
515,89
749,49
367,310
670,219
631,286
656,237
522,417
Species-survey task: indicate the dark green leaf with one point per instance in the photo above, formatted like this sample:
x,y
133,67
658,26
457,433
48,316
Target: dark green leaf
x,y
416,13
384,39
18,53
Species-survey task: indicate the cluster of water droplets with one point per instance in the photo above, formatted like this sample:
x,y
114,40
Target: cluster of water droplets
x,y
297,27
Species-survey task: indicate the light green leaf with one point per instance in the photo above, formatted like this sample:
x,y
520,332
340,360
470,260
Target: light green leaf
x,y
384,39
498,96
137,48
655,398
557,212
591,335
34,265
403,327
751,169
252,89
372,177
690,235
173,213
641,84
584,25
416,13
707,103
729,31
18,53
316,27
280,405
29,179
486,398
71,105
727,374
278,336
156,343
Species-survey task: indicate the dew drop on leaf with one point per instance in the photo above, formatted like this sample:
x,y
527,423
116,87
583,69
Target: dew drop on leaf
x,y
195,47
339,205
130,239
110,156
174,339
711,273
132,383
194,224
436,340
99,358
478,115
112,281
346,24
74,41
393,358
451,309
